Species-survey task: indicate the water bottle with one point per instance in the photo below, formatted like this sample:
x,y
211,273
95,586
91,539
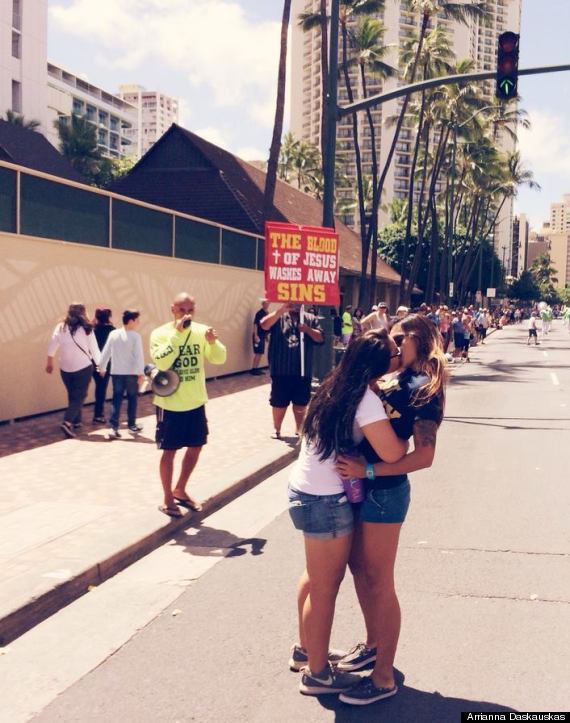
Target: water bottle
x,y
354,489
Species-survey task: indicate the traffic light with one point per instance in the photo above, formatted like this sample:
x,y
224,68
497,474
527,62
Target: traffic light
x,y
507,66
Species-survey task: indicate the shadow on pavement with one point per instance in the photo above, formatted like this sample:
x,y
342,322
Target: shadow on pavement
x,y
489,422
410,704
205,541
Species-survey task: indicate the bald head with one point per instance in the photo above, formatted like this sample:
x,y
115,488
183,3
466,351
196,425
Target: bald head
x,y
183,305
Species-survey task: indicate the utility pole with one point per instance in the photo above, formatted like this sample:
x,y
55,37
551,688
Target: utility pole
x,y
331,110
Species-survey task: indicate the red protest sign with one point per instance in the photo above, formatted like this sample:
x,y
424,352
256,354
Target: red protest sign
x,y
301,264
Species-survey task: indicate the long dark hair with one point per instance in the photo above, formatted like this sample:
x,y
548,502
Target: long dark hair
x,y
77,317
330,416
431,359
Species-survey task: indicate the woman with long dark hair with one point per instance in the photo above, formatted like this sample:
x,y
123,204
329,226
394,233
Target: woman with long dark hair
x,y
102,327
414,400
343,412
78,352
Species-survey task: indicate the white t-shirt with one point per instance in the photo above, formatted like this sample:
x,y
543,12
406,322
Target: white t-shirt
x,y
75,352
319,477
532,322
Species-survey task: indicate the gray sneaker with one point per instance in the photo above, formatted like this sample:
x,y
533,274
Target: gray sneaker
x,y
327,681
357,658
299,658
366,692
113,433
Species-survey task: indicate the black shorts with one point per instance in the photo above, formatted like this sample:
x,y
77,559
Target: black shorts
x,y
532,332
260,347
285,390
175,430
458,341
482,332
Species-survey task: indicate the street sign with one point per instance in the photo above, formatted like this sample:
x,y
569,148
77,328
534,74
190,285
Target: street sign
x,y
491,293
451,288
301,264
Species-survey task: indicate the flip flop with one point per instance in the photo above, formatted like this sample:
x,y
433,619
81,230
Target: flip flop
x,y
170,511
189,504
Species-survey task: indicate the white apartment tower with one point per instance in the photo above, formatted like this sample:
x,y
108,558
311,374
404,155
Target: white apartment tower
x,y
156,112
23,55
476,40
112,117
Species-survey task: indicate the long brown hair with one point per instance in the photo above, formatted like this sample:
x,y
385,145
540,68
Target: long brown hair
x,y
431,359
76,317
330,416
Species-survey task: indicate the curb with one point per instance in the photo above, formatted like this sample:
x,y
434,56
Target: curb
x,y
38,609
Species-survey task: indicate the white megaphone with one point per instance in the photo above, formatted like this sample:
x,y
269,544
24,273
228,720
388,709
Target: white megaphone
x,y
163,384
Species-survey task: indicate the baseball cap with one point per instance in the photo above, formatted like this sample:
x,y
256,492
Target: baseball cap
x,y
382,305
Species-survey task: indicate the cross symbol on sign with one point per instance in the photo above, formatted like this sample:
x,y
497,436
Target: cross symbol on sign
x,y
276,256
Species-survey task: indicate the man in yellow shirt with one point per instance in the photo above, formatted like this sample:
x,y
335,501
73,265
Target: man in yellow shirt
x,y
183,345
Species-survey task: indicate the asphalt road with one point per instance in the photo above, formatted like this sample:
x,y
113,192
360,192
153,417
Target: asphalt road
x,y
483,575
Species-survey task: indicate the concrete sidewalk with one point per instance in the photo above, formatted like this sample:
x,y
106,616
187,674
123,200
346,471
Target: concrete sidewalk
x,y
73,512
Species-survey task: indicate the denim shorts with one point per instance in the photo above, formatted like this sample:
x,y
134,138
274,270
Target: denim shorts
x,y
386,505
322,516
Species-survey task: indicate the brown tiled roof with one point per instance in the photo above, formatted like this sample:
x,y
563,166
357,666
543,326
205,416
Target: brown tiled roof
x,y
184,172
32,150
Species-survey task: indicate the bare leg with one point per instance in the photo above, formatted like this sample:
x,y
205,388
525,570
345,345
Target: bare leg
x,y
188,463
166,468
256,360
299,414
326,565
362,587
380,545
303,589
278,417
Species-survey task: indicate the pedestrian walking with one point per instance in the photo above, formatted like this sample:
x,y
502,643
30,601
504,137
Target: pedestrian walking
x,y
532,329
377,319
468,335
258,335
357,323
342,413
102,327
414,401
290,380
124,350
78,355
347,324
183,345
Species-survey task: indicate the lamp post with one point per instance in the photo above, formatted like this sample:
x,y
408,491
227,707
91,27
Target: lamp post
x,y
331,111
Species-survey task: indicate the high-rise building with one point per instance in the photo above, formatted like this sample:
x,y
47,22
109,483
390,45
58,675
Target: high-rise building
x,y
23,54
156,112
520,244
112,117
477,40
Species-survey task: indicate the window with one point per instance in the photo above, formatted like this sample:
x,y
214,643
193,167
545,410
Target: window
x,y
17,14
16,96
16,44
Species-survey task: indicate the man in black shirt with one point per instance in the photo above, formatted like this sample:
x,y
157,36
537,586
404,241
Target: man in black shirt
x,y
258,337
290,384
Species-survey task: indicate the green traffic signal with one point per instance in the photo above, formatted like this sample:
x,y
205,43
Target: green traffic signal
x,y
507,65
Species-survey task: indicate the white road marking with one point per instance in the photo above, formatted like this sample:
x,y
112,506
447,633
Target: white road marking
x,y
554,378
545,353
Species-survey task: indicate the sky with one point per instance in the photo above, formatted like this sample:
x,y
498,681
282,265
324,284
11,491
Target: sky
x,y
219,57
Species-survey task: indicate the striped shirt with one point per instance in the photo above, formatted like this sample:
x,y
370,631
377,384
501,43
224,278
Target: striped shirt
x,y
285,346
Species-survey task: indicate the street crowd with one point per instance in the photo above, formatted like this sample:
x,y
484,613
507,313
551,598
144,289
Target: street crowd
x,y
349,490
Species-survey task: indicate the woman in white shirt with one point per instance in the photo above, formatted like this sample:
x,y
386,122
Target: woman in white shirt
x,y
78,352
342,413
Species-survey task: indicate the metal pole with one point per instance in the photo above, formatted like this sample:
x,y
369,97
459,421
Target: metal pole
x,y
331,112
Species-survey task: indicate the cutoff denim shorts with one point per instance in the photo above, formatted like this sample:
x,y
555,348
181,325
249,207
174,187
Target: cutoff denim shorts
x,y
386,505
321,516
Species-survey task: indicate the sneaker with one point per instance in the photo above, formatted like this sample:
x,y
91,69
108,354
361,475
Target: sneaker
x,y
299,658
67,429
114,433
359,657
327,681
366,692
77,425
99,420
134,428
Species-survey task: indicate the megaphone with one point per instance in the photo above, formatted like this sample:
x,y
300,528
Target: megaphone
x,y
163,384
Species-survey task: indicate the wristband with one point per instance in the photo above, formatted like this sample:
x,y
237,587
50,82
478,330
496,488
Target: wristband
x,y
370,472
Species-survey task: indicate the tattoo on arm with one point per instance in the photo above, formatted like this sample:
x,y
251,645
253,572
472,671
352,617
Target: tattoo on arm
x,y
425,433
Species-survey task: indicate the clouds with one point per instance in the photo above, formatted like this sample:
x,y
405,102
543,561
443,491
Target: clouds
x,y
229,60
546,146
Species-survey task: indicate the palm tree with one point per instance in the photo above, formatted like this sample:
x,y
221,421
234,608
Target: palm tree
x,y
18,119
78,143
271,177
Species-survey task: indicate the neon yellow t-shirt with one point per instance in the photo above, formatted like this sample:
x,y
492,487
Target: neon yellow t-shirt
x,y
347,323
165,344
